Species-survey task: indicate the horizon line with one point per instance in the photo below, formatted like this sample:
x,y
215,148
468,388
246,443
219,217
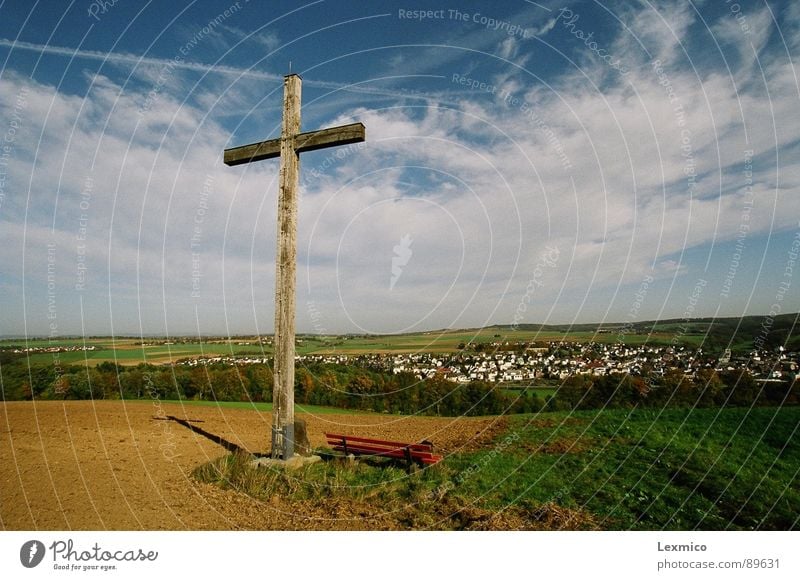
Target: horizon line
x,y
430,331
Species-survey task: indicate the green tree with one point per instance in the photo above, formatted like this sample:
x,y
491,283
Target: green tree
x,y
710,388
132,384
742,389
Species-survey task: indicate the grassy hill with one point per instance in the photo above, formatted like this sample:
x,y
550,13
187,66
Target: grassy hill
x,y
736,333
671,469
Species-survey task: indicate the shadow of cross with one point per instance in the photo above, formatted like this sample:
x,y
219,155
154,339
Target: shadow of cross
x,y
289,146
228,445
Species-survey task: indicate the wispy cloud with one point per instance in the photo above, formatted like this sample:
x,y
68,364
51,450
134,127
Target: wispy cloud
x,y
132,60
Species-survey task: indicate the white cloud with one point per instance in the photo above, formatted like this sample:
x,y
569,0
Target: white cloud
x,y
656,31
747,31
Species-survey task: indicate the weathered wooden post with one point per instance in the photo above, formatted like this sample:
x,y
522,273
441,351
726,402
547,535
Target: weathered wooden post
x,y
288,147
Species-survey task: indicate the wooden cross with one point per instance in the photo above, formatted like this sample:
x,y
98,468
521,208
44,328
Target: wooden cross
x,y
289,146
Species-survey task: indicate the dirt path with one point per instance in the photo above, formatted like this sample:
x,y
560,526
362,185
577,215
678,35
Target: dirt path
x,y
87,465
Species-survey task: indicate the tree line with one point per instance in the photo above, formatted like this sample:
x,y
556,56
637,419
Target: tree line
x,y
707,388
351,387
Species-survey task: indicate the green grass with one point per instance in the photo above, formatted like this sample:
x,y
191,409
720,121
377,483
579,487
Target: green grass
x,y
253,406
448,341
327,479
675,469
128,354
678,469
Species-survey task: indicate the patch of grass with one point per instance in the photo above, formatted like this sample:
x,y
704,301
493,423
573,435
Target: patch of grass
x,y
644,469
381,491
254,406
377,481
130,352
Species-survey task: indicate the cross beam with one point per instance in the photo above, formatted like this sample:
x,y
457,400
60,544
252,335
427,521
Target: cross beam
x,y
289,146
309,141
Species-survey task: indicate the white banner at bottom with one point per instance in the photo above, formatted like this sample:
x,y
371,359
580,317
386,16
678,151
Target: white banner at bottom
x,y
370,555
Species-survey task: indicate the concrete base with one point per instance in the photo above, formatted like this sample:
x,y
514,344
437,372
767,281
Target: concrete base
x,y
295,462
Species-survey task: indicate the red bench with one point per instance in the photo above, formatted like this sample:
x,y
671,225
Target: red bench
x,y
421,453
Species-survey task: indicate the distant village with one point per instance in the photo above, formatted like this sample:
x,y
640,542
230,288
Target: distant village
x,y
40,349
556,360
520,362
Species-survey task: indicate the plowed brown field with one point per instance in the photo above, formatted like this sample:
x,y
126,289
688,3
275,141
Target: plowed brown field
x,y
95,465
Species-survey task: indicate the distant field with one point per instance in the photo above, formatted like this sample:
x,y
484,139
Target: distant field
x,y
448,341
127,351
736,334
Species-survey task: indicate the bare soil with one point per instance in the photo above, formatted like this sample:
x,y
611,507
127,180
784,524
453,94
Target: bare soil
x,y
97,465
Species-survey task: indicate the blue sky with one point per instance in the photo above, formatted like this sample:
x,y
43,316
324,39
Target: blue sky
x,y
525,162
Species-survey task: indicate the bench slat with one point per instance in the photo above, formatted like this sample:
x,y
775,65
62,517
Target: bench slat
x,y
368,451
428,458
359,448
374,446
378,441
